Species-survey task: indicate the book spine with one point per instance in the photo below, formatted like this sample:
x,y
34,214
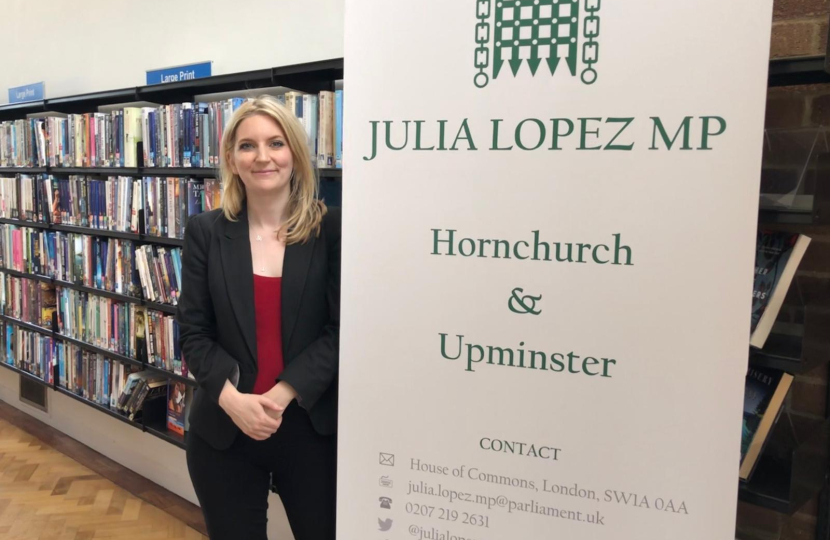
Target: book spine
x,y
338,146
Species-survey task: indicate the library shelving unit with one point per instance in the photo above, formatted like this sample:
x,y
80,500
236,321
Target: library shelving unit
x,y
795,194
310,77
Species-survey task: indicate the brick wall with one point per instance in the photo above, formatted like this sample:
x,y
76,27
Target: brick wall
x,y
799,28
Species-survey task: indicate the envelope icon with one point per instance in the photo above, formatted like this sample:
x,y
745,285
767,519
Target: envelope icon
x,y
387,459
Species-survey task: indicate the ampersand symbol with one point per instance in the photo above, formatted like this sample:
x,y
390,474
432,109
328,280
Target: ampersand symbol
x,y
523,305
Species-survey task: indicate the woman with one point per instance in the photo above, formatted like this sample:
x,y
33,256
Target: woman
x,y
259,321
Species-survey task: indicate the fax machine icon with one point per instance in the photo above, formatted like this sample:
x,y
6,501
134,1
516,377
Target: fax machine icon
x,y
387,459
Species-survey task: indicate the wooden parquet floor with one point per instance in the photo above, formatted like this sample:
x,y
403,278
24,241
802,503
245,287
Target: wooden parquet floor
x,y
46,495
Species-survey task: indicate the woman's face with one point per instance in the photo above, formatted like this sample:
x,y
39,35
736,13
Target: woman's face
x,y
261,156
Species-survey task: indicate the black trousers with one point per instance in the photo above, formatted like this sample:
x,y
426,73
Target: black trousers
x,y
232,485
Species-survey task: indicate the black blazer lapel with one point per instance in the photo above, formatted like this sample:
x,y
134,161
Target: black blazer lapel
x,y
295,267
239,277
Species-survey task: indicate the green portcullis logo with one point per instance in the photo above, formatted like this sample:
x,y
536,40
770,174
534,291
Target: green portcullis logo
x,y
535,31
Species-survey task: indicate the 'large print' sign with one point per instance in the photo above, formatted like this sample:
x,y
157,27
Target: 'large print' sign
x,y
549,228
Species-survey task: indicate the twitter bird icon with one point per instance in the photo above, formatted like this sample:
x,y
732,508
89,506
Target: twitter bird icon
x,y
385,524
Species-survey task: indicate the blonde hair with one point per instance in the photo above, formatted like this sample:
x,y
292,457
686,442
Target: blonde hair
x,y
305,211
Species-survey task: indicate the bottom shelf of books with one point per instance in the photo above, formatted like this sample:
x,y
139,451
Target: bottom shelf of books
x,y
792,468
139,397
146,401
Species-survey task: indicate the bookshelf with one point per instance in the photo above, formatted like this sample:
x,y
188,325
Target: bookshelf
x,y
310,78
795,193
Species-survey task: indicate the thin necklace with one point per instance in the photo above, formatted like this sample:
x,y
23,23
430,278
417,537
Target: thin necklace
x,y
262,268
259,239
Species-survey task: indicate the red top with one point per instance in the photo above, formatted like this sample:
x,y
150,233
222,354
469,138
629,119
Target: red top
x,y
268,306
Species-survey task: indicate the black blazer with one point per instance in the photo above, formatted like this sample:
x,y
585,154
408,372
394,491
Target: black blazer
x,y
217,326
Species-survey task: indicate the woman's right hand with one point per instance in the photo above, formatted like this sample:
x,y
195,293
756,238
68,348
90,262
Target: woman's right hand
x,y
257,416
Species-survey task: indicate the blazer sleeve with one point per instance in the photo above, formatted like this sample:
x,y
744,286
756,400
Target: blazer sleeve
x,y
315,369
205,358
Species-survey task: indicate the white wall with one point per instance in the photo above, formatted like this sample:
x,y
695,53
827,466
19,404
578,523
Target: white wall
x,y
91,45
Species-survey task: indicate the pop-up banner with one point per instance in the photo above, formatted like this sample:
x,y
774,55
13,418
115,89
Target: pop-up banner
x,y
549,228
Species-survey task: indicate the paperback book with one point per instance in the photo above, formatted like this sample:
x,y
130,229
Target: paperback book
x,y
763,400
777,257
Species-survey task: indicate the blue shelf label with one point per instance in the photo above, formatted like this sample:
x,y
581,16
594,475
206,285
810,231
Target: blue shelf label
x,y
29,92
180,73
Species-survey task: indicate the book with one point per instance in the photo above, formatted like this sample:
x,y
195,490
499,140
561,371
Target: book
x,y
764,395
212,194
131,383
326,129
338,129
309,121
131,137
148,389
139,333
777,257
48,304
176,405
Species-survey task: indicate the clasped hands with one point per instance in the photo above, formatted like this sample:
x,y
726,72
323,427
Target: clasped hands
x,y
257,416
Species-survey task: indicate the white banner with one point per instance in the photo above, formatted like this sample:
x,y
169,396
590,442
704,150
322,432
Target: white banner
x,y
549,231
